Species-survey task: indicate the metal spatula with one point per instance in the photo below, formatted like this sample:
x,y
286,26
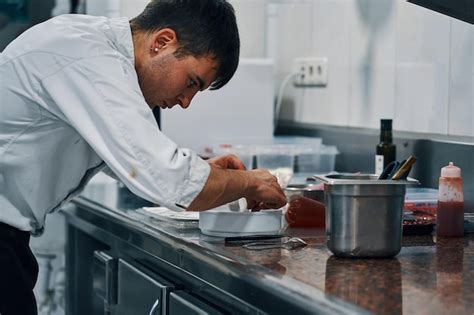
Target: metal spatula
x,y
292,243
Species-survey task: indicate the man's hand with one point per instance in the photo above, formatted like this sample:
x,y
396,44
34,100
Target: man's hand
x,y
229,181
264,192
264,184
229,161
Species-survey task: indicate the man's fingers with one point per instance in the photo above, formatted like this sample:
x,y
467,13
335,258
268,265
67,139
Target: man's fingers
x,y
235,163
257,206
250,203
265,192
229,161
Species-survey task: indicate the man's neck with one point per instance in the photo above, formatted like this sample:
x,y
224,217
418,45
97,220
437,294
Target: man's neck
x,y
139,43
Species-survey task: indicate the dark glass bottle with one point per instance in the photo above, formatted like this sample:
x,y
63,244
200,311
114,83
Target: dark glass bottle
x,y
385,151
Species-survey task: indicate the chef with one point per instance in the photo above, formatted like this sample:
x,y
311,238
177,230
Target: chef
x,y
76,96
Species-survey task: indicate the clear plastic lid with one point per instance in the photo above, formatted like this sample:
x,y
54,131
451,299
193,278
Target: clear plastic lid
x,y
329,149
421,194
281,145
451,171
234,149
311,141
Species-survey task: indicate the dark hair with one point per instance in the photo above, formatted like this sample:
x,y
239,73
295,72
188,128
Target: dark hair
x,y
203,28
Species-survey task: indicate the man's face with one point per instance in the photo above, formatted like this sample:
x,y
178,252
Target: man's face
x,y
167,81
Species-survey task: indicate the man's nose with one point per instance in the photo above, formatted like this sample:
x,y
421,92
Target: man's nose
x,y
184,102
185,99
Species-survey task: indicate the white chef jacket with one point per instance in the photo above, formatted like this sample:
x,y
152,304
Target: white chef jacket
x,y
70,101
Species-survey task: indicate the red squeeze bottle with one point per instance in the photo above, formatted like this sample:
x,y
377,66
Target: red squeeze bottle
x,y
450,217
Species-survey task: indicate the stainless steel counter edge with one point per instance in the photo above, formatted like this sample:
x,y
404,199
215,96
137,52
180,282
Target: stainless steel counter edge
x,y
218,268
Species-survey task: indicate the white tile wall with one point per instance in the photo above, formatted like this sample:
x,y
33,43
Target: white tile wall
x,y
295,21
422,74
472,79
292,40
132,8
329,105
461,93
372,61
387,59
250,16
421,99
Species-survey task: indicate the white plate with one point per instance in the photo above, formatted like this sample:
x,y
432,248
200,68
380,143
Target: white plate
x,y
163,213
225,223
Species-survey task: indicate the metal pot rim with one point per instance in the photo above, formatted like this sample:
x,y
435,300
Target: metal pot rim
x,y
361,179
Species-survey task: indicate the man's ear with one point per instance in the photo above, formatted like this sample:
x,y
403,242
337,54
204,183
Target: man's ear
x,y
165,38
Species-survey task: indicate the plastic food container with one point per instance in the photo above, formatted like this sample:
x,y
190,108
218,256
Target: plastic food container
x,y
278,159
364,214
305,205
244,152
246,149
299,140
421,201
311,191
320,161
420,210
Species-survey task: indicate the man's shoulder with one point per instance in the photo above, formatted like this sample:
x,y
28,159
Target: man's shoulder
x,y
72,36
77,43
76,36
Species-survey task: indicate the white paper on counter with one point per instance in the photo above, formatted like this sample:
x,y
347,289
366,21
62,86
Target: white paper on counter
x,y
163,213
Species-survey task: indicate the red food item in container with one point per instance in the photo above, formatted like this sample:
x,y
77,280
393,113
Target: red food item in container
x,y
422,206
305,212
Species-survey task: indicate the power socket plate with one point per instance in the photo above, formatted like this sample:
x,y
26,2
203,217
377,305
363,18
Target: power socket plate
x,y
312,72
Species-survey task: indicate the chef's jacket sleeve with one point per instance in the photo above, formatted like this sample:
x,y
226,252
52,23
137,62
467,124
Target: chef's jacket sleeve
x,y
107,171
100,98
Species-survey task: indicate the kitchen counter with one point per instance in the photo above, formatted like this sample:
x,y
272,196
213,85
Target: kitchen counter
x,y
429,276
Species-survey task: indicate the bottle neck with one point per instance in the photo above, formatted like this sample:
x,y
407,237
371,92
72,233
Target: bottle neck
x,y
386,136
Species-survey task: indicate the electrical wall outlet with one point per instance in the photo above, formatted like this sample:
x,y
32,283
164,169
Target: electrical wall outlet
x,y
311,72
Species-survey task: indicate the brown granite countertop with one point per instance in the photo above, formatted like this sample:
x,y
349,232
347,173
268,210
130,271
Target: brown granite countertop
x,y
429,276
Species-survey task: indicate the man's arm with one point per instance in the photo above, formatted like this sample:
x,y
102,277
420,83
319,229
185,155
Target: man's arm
x,y
225,185
259,187
107,171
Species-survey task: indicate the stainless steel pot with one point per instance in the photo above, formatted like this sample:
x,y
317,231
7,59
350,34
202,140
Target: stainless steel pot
x,y
364,214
